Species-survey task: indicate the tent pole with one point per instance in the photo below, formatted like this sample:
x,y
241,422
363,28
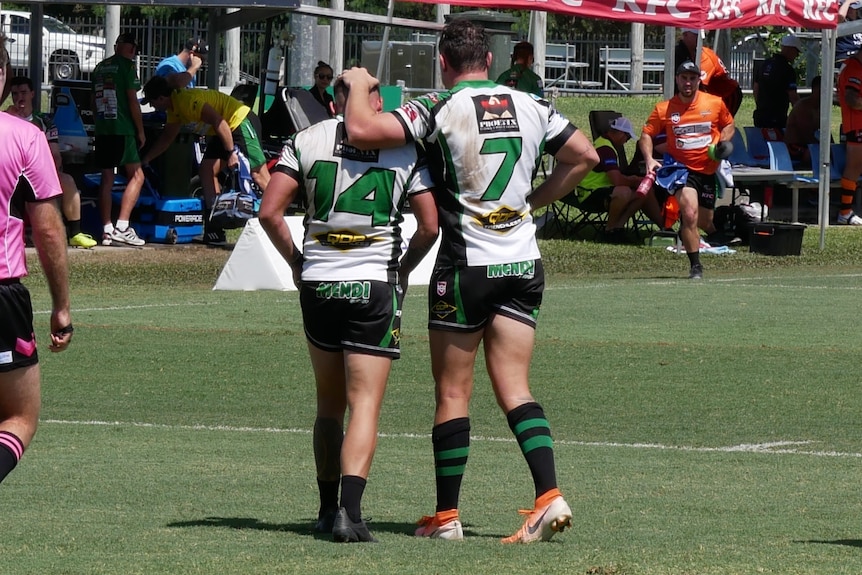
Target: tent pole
x,y
385,41
827,55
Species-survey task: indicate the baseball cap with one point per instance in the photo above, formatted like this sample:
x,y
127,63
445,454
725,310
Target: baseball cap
x,y
695,31
127,38
623,125
198,46
155,87
792,41
688,67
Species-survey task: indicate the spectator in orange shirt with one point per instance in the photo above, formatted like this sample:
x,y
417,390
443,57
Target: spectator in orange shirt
x,y
695,124
714,78
850,99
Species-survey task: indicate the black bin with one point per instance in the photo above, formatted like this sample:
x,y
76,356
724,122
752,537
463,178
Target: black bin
x,y
775,239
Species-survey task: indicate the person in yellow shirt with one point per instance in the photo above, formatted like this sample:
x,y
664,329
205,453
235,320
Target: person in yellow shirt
x,y
224,118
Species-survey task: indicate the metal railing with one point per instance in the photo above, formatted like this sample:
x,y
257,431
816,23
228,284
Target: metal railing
x,y
160,38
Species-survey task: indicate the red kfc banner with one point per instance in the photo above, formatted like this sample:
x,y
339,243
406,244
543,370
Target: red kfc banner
x,y
703,14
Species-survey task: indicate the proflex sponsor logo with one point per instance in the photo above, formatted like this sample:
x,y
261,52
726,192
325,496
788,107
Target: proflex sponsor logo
x,y
495,113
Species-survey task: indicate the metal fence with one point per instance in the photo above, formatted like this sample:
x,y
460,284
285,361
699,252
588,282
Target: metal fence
x,y
160,38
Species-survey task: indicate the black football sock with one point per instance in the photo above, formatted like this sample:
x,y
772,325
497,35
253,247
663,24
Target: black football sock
x,y
533,433
352,488
451,442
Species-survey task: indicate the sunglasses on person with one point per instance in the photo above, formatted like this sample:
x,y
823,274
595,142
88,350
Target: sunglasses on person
x,y
325,76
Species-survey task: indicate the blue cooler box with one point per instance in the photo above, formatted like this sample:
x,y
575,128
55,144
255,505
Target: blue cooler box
x,y
157,219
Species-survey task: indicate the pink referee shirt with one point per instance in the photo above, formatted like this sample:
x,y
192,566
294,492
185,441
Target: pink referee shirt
x,y
27,174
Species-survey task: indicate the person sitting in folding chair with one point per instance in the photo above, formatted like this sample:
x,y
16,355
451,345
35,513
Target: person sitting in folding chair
x,y
606,187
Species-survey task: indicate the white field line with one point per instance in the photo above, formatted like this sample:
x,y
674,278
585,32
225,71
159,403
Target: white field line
x,y
599,285
772,448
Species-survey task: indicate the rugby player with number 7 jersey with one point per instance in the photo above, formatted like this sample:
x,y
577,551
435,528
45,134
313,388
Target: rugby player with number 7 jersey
x,y
484,142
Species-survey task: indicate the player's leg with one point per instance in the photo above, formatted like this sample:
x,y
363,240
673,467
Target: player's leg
x,y
453,356
20,398
20,401
369,338
509,339
688,234
328,430
366,382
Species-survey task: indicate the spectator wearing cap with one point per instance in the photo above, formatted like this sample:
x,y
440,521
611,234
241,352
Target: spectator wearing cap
x,y
699,128
850,100
849,44
775,86
181,68
521,76
606,187
714,78
119,135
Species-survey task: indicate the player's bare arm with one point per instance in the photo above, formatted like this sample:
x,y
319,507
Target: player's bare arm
x,y
572,162
366,129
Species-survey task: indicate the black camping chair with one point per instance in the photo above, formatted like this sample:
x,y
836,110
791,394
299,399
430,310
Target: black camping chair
x,y
292,110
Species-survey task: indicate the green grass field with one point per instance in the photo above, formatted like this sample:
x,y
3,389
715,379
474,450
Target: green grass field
x,y
700,428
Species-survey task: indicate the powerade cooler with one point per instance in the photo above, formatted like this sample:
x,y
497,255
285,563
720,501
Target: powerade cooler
x,y
157,219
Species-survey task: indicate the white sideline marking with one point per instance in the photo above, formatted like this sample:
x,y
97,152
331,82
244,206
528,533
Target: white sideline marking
x,y
773,447
589,285
128,307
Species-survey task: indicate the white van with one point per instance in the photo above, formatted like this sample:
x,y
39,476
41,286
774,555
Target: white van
x,y
66,53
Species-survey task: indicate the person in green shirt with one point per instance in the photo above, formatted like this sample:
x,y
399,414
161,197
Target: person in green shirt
x,y
521,76
119,136
224,118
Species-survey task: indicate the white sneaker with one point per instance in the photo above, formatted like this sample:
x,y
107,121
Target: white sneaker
x,y
106,239
127,236
850,219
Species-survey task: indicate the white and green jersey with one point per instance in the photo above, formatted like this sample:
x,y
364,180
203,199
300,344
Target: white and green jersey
x,y
354,199
484,143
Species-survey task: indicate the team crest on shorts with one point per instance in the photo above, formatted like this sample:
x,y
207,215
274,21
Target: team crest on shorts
x,y
674,117
441,288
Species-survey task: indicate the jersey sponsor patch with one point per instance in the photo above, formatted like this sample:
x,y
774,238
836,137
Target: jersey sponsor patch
x,y
495,113
349,290
500,220
343,150
344,240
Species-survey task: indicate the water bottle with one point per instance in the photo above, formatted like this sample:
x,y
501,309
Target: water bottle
x,y
646,184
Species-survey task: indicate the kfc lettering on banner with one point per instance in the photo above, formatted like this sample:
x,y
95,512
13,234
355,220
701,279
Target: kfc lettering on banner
x,y
706,14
